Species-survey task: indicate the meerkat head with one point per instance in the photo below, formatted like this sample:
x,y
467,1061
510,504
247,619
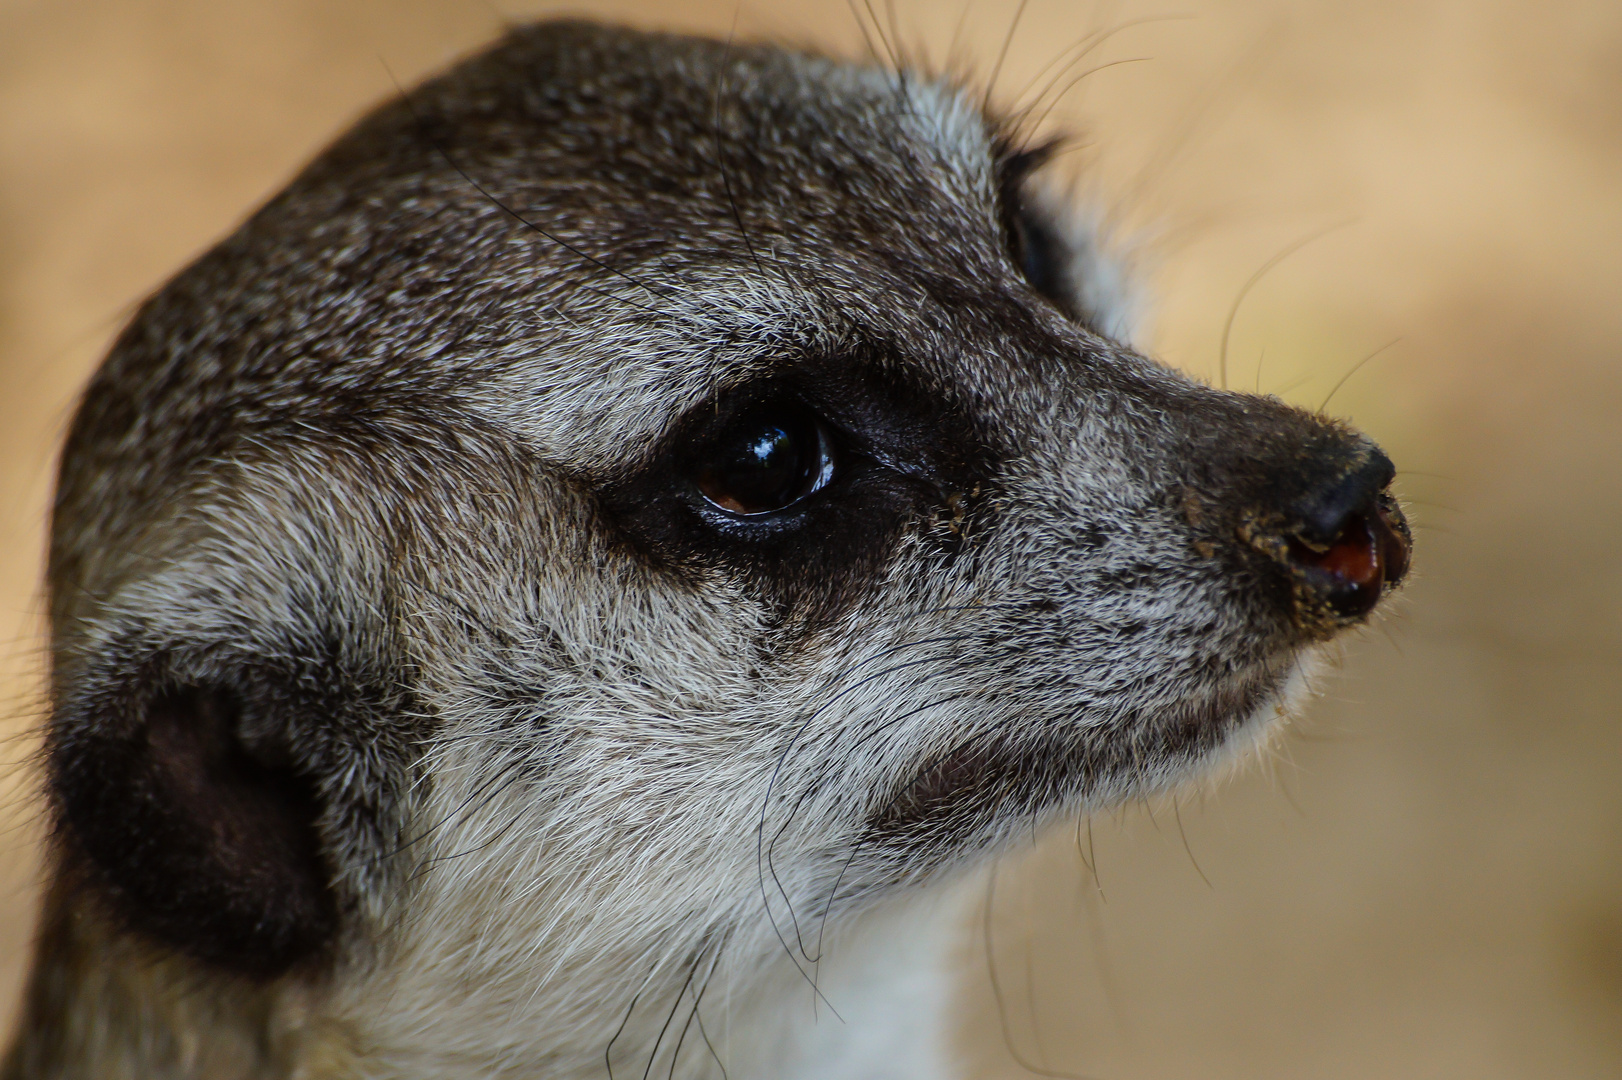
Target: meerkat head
x,y
637,493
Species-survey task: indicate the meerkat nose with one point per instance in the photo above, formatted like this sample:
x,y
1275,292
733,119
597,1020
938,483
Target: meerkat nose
x,y
1351,539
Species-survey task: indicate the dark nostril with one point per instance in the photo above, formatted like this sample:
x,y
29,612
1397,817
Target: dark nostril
x,y
1349,573
1325,514
1350,539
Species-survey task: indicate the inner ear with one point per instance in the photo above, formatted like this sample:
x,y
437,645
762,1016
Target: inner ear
x,y
1035,238
200,830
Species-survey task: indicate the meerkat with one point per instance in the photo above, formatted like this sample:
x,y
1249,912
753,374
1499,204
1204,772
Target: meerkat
x,y
578,582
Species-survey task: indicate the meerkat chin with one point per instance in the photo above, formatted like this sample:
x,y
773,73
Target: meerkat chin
x,y
570,585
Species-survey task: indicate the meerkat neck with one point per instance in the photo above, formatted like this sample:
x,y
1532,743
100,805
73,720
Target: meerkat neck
x,y
101,1004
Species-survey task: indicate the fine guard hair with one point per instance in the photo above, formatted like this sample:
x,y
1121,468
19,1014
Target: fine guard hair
x,y
582,582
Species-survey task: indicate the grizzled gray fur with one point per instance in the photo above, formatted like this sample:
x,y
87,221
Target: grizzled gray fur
x,y
579,581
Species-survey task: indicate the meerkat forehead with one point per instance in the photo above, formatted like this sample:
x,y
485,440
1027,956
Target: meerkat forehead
x,y
684,216
612,227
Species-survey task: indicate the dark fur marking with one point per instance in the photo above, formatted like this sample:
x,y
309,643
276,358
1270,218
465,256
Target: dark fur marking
x,y
955,800
201,843
906,458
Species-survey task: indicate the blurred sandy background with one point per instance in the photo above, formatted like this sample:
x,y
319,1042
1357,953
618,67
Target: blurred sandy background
x,y
1426,883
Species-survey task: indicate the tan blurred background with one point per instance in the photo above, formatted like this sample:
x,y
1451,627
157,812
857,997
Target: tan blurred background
x,y
1426,882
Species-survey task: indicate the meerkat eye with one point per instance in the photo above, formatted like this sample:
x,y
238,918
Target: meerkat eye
x,y
767,461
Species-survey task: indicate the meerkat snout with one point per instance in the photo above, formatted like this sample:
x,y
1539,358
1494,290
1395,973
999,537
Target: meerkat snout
x,y
639,514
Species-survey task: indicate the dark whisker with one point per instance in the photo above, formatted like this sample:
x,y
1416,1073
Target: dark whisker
x,y
1220,93
1355,369
720,153
653,1055
608,1051
1177,812
431,829
1087,45
705,1035
889,46
997,992
762,855
692,1014
1002,55
469,618
872,734
1266,267
1073,83
431,863
867,38
726,177
833,893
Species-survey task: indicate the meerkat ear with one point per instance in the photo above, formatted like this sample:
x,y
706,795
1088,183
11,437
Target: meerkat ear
x,y
183,798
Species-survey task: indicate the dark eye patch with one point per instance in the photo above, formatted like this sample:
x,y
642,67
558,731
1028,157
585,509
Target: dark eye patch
x,y
821,531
